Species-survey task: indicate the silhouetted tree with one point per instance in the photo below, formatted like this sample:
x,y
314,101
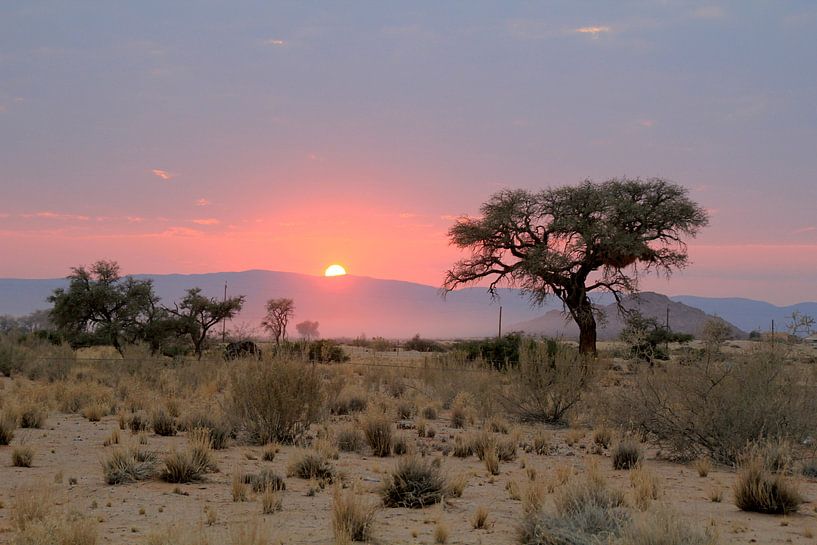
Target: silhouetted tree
x,y
569,241
100,306
308,330
197,314
279,312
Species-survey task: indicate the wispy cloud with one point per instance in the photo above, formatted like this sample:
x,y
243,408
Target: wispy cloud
x,y
647,123
277,42
593,31
407,215
803,230
180,232
709,12
163,174
206,221
47,214
202,202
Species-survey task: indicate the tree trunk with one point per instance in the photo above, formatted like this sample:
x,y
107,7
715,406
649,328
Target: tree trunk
x,y
582,312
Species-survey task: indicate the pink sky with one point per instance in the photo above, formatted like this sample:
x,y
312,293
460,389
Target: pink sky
x,y
290,137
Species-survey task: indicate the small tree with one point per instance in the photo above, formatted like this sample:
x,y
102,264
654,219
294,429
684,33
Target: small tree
x,y
569,241
197,314
100,306
279,312
308,330
714,333
799,323
644,336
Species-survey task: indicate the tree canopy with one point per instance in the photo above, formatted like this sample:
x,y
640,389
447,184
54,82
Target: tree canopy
x,y
279,312
568,241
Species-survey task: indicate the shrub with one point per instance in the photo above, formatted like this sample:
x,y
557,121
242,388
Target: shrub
x,y
506,449
400,445
664,527
348,401
267,479
271,501
463,448
310,464
809,468
541,443
218,426
32,415
326,351
95,411
269,453
8,424
181,467
714,408
547,383
137,422
414,483
351,519
127,466
350,439
459,415
163,423
405,410
378,431
275,401
430,412
760,490
200,447
22,456
603,437
627,454
419,344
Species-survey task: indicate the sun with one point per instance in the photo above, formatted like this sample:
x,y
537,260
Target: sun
x,y
334,270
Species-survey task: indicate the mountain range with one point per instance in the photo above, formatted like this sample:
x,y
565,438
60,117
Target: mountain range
x,y
353,305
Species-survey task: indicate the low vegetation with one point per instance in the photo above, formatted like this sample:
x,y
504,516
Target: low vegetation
x,y
414,483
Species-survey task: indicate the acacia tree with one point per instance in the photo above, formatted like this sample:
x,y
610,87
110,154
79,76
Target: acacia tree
x,y
197,314
279,312
568,241
101,306
308,330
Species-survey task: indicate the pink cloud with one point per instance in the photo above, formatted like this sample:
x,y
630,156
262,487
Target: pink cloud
x,y
202,202
180,232
47,214
163,174
593,31
206,221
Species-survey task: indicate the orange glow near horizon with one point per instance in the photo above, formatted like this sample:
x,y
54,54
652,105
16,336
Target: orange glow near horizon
x,y
334,270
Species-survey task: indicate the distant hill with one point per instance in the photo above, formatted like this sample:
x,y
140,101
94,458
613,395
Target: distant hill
x,y
682,318
351,305
748,314
344,306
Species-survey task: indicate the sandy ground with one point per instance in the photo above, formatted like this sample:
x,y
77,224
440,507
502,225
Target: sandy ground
x,y
70,447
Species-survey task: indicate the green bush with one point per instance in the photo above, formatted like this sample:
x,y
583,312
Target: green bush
x,y
326,351
419,344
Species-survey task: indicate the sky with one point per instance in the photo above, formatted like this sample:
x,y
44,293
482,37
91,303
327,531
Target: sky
x,y
222,136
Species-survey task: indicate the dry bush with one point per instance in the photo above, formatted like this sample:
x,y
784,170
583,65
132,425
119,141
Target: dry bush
x,y
190,465
603,437
506,448
275,401
589,512
533,498
267,479
350,438
95,411
491,462
400,445
163,424
759,489
541,443
238,487
664,527
270,450
113,439
311,464
349,400
480,519
8,425
627,454
481,443
462,447
455,486
31,504
218,426
137,422
405,409
429,412
378,430
22,456
271,501
32,415
646,487
714,408
414,483
352,519
128,466
440,533
459,416
703,466
545,386
808,469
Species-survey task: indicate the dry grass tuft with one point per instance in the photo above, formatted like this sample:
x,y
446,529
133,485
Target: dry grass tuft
x,y
8,425
270,450
759,489
128,466
113,439
646,487
378,430
627,454
480,519
663,527
239,490
311,464
95,411
440,533
456,485
22,456
163,423
352,519
267,479
414,483
703,466
603,437
462,447
491,462
32,415
271,501
350,438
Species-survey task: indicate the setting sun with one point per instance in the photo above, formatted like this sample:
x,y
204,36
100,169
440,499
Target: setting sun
x,y
334,270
